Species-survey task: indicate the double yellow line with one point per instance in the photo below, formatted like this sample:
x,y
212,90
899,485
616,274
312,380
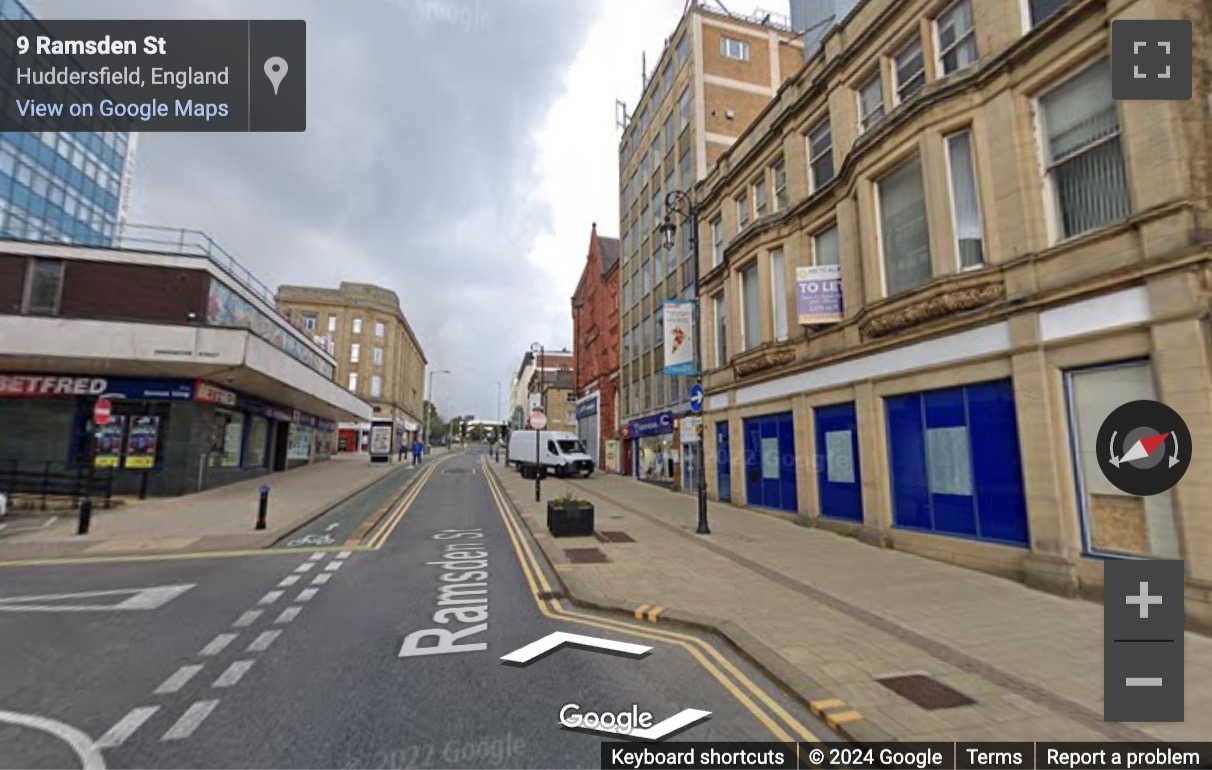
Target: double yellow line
x,y
397,515
704,653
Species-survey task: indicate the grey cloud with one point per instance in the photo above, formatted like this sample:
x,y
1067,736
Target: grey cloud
x,y
418,170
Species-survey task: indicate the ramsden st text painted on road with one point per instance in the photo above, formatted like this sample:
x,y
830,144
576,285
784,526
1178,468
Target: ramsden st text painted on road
x,y
462,596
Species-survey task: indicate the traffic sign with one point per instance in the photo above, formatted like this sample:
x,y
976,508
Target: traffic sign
x,y
538,420
102,411
696,398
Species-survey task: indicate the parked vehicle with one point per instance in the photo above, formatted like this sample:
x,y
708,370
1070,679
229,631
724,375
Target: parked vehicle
x,y
559,453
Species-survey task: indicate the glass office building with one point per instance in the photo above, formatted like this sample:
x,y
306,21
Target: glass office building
x,y
67,187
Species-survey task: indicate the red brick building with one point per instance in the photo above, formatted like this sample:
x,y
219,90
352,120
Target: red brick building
x,y
595,330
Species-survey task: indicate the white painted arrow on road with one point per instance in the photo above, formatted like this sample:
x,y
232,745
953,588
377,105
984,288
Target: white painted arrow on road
x,y
555,641
139,599
661,730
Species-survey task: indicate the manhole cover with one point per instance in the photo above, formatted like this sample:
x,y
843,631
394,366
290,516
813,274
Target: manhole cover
x,y
926,692
585,556
614,537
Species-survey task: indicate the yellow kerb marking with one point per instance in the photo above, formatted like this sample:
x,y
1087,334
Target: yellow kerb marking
x,y
639,611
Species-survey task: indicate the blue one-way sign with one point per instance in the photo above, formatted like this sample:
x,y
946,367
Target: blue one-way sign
x,y
696,398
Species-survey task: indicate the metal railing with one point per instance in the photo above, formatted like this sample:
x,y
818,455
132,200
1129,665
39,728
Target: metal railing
x,y
27,480
178,240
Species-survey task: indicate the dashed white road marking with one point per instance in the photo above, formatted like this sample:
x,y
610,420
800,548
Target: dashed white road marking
x,y
179,679
189,721
289,580
270,597
306,594
234,673
262,642
218,644
320,580
126,726
289,614
344,554
333,566
317,556
247,619
306,566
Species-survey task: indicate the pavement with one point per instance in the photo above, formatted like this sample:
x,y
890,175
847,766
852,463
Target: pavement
x,y
383,655
830,617
223,518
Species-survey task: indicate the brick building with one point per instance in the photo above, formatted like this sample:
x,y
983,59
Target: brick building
x,y
595,330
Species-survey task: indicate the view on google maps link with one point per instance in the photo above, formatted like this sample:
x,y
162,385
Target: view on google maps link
x,y
606,384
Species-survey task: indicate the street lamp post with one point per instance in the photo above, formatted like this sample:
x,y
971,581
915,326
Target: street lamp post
x,y
679,202
538,467
431,406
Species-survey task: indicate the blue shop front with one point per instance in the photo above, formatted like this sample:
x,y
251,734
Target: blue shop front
x,y
654,448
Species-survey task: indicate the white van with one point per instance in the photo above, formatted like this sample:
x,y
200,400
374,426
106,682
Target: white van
x,y
559,453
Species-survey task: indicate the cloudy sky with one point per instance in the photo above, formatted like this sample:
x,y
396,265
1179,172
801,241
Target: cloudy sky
x,y
457,152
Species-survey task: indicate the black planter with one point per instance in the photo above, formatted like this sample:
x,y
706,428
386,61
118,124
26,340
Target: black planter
x,y
570,519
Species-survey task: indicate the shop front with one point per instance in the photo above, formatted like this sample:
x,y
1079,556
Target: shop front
x,y
654,447
588,426
164,437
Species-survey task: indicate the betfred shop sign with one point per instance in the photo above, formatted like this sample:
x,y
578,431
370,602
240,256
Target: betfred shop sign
x,y
39,385
57,386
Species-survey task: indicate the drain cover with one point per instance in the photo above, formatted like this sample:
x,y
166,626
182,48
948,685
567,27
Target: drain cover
x,y
926,692
585,556
614,537
548,595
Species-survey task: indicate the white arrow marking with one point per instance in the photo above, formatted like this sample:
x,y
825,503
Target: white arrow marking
x,y
142,599
1174,457
1114,459
86,750
678,721
555,641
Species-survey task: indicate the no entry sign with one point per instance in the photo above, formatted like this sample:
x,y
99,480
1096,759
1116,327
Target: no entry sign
x,y
538,420
102,411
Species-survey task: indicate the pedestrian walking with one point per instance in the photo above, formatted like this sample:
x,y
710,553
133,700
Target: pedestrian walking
x,y
417,449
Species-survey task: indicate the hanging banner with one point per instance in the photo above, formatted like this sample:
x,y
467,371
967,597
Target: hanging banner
x,y
818,292
141,442
107,449
679,338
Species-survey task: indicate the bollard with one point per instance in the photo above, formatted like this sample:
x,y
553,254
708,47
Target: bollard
x,y
86,515
263,510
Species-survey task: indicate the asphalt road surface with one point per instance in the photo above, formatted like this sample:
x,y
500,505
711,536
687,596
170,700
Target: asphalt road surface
x,y
293,658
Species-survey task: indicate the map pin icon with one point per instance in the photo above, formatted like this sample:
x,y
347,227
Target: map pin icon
x,y
275,70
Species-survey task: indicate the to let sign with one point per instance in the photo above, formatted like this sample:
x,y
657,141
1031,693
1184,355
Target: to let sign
x,y
818,292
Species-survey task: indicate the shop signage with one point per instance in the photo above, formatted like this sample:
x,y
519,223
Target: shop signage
x,y
818,292
651,426
587,408
679,337
50,386
211,394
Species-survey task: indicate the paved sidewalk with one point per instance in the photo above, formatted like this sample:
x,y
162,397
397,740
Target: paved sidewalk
x,y
215,519
827,615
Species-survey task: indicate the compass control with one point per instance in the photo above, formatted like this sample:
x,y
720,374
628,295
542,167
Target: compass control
x,y
1144,448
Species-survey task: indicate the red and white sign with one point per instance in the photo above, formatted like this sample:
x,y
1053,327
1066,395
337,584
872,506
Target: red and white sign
x,y
538,420
102,411
210,394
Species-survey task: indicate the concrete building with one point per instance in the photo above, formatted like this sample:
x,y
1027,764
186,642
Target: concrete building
x,y
976,257
68,187
378,356
595,333
717,72
554,383
208,383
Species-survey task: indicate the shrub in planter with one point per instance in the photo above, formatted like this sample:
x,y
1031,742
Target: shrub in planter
x,y
569,516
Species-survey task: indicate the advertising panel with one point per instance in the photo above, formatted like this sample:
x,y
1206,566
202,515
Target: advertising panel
x,y
107,449
679,338
141,441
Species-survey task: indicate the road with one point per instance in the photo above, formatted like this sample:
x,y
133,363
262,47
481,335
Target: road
x,y
292,658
